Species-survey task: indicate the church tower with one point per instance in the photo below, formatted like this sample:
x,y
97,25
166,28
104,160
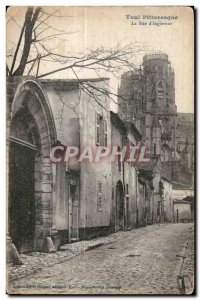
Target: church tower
x,y
150,94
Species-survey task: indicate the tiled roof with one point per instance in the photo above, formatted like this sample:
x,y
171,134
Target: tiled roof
x,y
132,128
147,165
118,123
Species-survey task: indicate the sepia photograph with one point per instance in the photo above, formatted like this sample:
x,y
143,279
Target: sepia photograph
x,y
100,146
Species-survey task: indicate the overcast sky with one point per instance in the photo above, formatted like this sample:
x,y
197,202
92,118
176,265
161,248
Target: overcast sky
x,y
105,26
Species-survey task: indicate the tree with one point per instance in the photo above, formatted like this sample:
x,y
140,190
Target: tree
x,y
34,47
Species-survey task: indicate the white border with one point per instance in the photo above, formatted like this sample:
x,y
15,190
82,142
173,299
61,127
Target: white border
x,y
3,3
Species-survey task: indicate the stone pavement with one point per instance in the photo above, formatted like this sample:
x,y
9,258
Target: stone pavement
x,y
36,261
148,260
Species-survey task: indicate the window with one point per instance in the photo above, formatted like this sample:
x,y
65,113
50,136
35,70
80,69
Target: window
x,y
160,89
119,160
99,196
101,131
98,126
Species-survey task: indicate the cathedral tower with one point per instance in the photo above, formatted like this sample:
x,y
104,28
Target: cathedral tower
x,y
148,98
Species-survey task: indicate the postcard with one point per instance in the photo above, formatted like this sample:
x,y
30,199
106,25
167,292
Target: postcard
x,y
100,150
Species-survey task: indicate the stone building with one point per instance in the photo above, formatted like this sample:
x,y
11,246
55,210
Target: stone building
x,y
185,140
61,201
167,199
127,205
147,98
149,186
65,201
178,201
183,202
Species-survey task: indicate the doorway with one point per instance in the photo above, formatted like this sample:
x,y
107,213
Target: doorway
x,y
73,211
119,207
21,196
23,149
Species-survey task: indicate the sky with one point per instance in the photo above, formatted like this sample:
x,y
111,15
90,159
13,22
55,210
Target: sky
x,y
96,27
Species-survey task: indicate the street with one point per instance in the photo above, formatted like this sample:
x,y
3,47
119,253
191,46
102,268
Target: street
x,y
147,260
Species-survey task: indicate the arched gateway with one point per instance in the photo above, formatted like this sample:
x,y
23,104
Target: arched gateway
x,y
31,134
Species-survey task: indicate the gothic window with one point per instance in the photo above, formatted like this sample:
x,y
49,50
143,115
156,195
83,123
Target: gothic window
x,y
160,89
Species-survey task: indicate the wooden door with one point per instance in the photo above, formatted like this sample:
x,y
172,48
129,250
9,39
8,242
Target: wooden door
x,y
21,196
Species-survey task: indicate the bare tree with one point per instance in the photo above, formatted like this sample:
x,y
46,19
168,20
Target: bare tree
x,y
34,47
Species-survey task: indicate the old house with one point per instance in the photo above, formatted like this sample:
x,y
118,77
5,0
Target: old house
x,y
149,190
167,199
54,193
63,200
147,99
81,193
125,199
178,201
183,202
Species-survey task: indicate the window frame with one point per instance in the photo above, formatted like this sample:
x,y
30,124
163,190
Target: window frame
x,y
101,130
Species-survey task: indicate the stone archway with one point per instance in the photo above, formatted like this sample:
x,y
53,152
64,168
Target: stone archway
x,y
23,149
119,206
31,135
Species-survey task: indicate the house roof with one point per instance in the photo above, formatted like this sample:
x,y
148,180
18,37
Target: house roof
x,y
133,130
181,201
166,179
70,84
118,123
74,80
177,185
147,165
124,127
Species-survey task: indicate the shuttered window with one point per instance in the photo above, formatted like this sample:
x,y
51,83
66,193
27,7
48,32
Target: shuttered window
x,y
101,131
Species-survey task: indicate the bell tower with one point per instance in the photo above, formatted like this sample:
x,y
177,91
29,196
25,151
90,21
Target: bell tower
x,y
150,93
159,92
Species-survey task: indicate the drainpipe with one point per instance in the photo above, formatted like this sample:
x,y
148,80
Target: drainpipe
x,y
124,192
124,189
137,172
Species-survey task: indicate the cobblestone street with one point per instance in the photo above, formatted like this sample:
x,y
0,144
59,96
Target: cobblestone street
x,y
147,260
